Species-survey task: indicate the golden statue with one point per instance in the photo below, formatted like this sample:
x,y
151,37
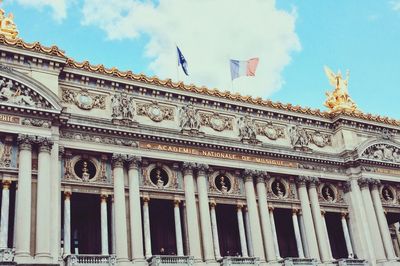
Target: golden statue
x,y
339,99
7,25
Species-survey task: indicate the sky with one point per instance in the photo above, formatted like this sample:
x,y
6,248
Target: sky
x,y
293,39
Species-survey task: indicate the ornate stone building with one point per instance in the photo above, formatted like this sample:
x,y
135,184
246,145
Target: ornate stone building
x,y
102,167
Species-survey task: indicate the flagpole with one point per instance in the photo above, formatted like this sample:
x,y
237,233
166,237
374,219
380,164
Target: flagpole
x,y
177,65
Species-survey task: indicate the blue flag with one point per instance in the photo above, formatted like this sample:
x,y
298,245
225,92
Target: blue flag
x,y
182,61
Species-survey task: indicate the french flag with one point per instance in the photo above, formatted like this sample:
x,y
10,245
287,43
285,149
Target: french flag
x,y
243,67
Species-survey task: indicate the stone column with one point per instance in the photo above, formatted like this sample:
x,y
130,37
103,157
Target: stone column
x,y
185,230
275,236
43,206
121,232
135,209
326,234
215,230
191,211
67,223
15,216
303,235
347,239
104,224
383,225
178,228
5,207
112,225
397,231
297,233
205,218
307,216
242,234
250,249
255,227
318,223
146,227
264,215
372,219
24,195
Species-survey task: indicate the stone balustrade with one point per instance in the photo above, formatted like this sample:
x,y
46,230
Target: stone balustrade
x,y
227,261
90,260
300,261
352,262
167,260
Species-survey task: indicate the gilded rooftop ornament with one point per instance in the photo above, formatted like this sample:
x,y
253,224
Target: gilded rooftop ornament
x,y
7,25
339,100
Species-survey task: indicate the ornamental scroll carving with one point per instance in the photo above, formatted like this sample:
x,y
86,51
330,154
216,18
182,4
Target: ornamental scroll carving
x,y
155,112
273,132
216,121
382,152
5,151
16,93
83,99
98,139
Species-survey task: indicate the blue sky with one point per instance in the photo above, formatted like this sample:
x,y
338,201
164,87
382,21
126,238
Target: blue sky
x,y
294,40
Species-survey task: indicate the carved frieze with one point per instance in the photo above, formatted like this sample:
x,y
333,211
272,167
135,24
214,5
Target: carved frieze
x,y
155,112
36,122
271,131
320,168
123,109
247,130
16,93
300,138
382,152
216,121
83,99
98,138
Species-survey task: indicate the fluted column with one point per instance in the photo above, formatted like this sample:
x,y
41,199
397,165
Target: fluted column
x,y
383,225
326,234
372,219
121,240
307,216
24,195
191,211
146,227
242,234
135,209
297,235
43,201
264,215
250,249
214,226
318,223
5,207
275,236
347,238
67,223
104,224
255,228
205,218
178,228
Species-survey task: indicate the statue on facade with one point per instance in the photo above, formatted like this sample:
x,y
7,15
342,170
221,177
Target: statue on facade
x,y
339,99
7,25
13,94
189,118
299,137
247,130
122,109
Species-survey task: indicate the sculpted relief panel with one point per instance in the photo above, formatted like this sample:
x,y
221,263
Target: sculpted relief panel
x,y
216,121
155,111
123,109
300,138
84,99
382,152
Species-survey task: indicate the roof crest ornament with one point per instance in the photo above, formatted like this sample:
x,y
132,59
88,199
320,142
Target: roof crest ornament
x,y
7,25
339,100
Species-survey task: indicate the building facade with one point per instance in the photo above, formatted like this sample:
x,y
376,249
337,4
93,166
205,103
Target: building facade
x,y
103,167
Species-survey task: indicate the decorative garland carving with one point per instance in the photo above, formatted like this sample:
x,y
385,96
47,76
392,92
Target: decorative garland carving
x,y
16,93
36,122
155,112
98,139
271,131
382,152
216,121
300,138
84,99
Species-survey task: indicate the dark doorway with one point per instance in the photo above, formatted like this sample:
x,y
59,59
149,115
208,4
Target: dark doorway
x,y
162,227
336,235
285,232
228,230
85,224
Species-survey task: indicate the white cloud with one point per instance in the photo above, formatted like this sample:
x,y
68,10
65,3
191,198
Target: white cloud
x,y
209,33
59,7
395,5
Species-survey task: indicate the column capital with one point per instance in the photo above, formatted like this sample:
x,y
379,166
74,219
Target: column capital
x,y
323,212
67,194
146,199
271,209
6,183
25,142
118,160
133,161
343,214
295,211
239,206
202,168
375,183
212,203
313,181
188,167
177,202
103,197
45,144
262,176
364,182
301,180
248,175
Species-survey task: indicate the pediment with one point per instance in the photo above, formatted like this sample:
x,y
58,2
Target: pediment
x,y
17,89
387,152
